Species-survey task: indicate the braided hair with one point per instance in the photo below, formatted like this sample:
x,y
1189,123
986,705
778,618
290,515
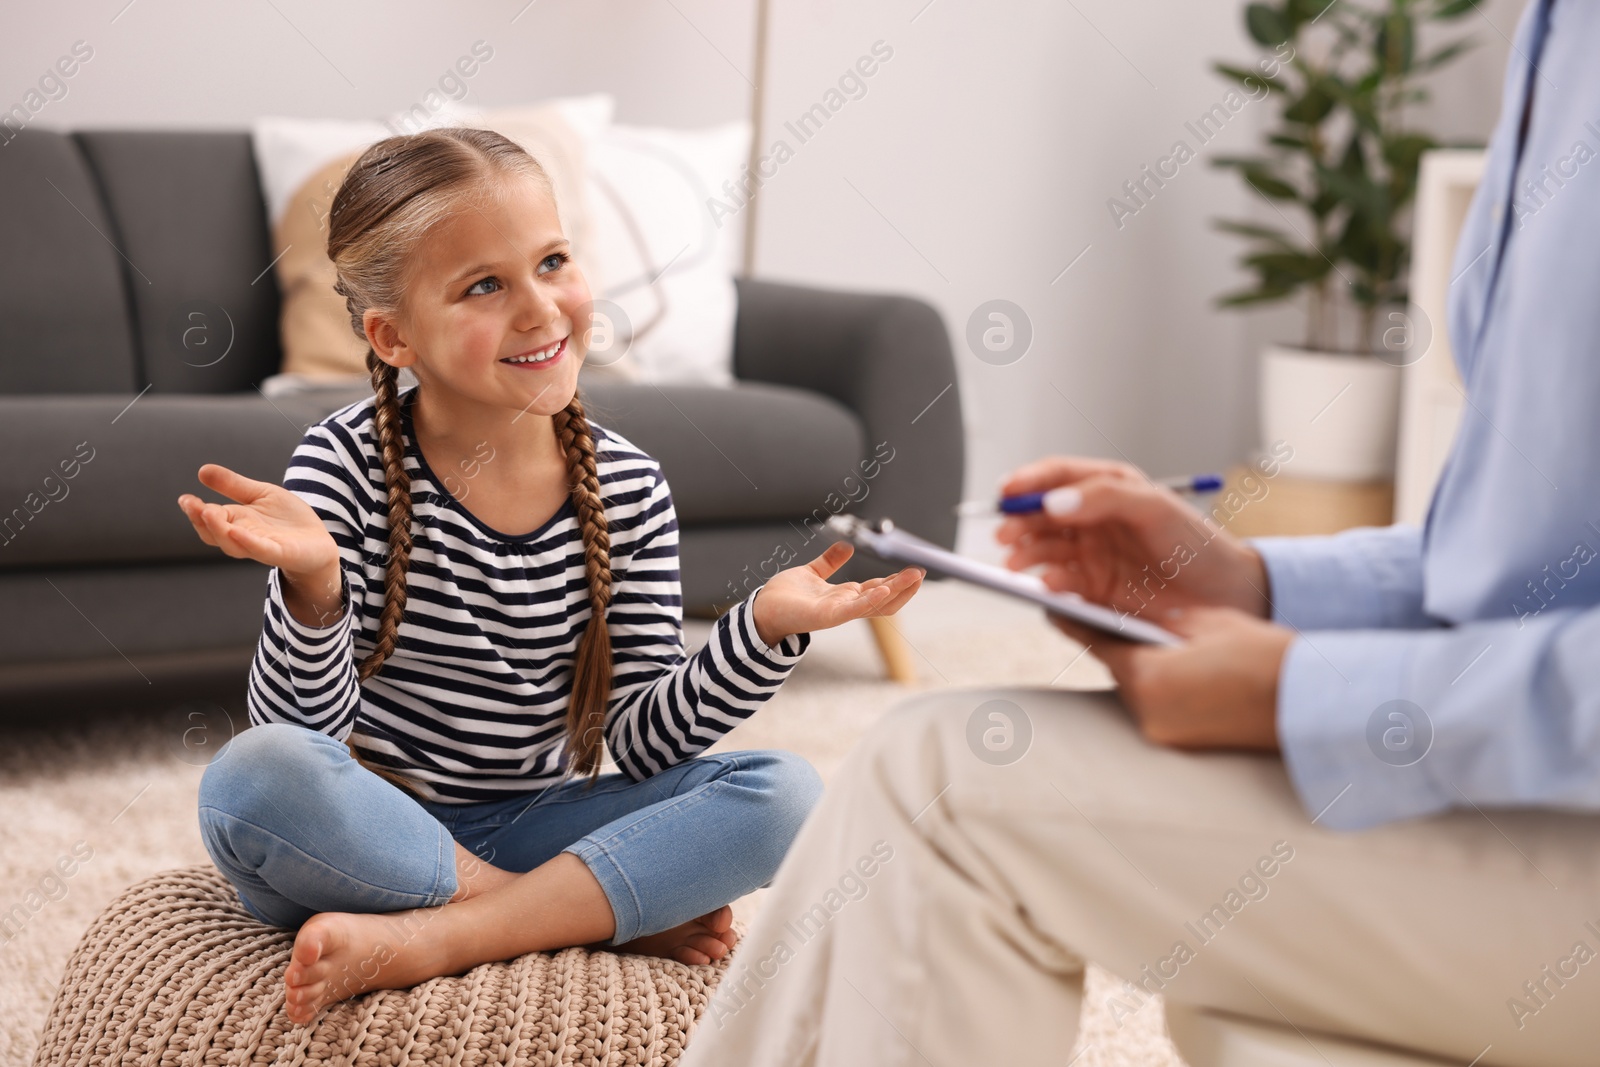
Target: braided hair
x,y
394,192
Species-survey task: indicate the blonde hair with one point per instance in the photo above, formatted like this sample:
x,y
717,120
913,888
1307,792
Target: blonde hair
x,y
393,194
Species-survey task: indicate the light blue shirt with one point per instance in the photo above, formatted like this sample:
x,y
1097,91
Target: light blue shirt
x,y
1459,664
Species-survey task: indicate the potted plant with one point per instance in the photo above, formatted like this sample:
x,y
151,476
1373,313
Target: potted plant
x,y
1339,172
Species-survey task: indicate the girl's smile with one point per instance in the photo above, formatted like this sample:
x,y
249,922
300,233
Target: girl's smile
x,y
538,358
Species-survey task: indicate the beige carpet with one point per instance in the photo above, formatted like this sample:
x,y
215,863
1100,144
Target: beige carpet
x,y
121,791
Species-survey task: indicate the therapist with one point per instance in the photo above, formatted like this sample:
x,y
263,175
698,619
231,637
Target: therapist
x,y
1435,689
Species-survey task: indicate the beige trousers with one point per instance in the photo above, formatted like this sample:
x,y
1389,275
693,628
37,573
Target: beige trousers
x,y
938,905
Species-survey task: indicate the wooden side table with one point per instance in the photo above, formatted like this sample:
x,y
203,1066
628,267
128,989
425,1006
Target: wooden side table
x,y
1283,506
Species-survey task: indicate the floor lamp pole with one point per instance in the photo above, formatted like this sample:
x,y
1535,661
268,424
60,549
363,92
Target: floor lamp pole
x,y
757,111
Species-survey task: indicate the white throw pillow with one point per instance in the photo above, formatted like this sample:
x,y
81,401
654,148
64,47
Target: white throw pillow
x,y
290,150
657,252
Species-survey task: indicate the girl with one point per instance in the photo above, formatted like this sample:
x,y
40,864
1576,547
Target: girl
x,y
434,685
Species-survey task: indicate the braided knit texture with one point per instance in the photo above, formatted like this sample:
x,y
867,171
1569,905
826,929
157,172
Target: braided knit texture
x,y
176,972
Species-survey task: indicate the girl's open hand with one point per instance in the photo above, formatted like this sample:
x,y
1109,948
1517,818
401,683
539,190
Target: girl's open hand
x,y
269,524
798,600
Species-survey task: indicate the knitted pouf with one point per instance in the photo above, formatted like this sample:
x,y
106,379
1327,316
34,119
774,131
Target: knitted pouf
x,y
176,972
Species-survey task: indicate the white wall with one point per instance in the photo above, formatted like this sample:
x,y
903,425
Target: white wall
x,y
202,63
978,165
981,158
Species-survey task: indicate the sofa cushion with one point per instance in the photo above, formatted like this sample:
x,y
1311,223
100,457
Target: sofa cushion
x,y
96,479
189,214
64,323
738,453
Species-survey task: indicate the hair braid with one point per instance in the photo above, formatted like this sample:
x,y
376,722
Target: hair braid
x,y
398,482
591,671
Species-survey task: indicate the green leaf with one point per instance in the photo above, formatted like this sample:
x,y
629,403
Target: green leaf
x,y
1402,151
1299,266
1268,25
1357,243
1308,10
1240,161
1364,295
1249,229
1435,60
1354,161
1255,296
1270,185
1250,79
1312,107
1285,140
1357,191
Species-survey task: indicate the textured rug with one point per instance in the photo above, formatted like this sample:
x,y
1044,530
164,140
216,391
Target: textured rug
x,y
94,806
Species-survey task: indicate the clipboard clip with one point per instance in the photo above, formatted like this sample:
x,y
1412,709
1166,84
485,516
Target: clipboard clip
x,y
851,527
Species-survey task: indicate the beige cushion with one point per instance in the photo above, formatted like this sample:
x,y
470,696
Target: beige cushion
x,y
318,341
176,971
314,325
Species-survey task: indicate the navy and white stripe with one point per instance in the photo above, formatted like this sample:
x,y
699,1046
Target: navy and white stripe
x,y
471,705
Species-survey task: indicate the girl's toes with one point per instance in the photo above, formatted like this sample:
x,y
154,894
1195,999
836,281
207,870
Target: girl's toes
x,y
302,1002
707,945
307,949
685,954
719,920
306,994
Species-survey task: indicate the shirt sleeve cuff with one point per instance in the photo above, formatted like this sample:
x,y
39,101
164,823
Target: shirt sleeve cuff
x,y
313,642
1359,579
785,655
1354,747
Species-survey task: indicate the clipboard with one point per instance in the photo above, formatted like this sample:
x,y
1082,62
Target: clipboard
x,y
883,539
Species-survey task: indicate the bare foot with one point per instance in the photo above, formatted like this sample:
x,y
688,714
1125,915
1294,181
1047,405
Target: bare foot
x,y
339,954
701,940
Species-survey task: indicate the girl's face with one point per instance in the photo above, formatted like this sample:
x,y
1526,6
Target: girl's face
x,y
492,283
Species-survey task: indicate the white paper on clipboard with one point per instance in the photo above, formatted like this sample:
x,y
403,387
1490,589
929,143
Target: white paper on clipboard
x,y
883,539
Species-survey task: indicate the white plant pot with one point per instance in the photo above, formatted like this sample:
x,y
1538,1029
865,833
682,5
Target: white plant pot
x,y
1338,412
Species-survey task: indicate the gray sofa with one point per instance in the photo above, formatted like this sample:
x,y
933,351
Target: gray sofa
x,y
115,241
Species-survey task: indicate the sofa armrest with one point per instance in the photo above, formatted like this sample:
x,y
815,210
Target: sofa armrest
x,y
888,359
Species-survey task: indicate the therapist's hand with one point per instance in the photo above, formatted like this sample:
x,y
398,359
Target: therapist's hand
x,y
1129,542
1218,690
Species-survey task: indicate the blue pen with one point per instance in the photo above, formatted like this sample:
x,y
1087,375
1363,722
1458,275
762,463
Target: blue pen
x,y
1025,503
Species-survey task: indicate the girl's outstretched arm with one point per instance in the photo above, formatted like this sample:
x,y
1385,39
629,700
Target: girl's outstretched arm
x,y
667,707
303,671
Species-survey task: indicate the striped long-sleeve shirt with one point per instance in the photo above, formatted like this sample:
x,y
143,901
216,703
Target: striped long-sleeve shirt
x,y
471,705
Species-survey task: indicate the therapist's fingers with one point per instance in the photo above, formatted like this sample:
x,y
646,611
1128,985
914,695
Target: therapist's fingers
x,y
1048,550
1103,498
1091,501
1021,528
1055,471
1068,577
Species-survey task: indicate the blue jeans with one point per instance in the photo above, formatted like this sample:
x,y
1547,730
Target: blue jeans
x,y
299,827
